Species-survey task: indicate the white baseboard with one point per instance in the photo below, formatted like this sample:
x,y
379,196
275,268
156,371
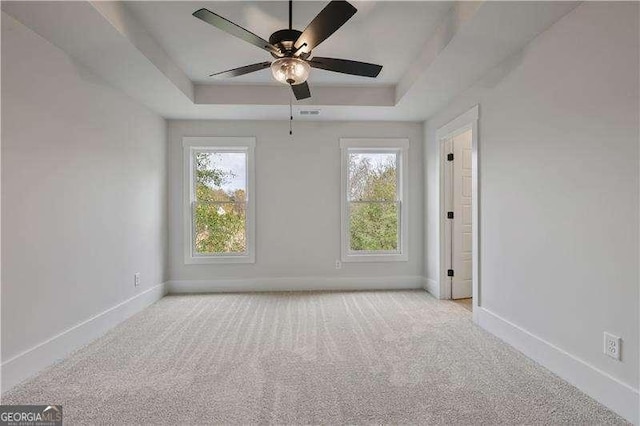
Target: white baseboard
x,y
31,361
609,391
295,284
432,287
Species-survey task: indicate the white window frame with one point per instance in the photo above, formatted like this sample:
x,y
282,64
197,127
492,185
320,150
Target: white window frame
x,y
400,147
218,144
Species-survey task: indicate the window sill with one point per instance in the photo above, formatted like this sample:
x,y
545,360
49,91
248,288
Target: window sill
x,y
375,258
207,260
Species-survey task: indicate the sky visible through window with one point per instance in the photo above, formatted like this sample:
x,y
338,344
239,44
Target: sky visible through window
x,y
234,167
377,160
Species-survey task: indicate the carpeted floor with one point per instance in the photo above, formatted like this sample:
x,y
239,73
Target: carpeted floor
x,y
352,357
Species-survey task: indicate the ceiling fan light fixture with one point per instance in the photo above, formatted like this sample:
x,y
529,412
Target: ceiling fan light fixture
x,y
290,70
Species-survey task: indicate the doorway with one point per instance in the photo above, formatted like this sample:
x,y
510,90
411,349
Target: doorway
x,y
459,210
458,203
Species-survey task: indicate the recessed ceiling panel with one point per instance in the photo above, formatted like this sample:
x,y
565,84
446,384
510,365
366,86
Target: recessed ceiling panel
x,y
389,33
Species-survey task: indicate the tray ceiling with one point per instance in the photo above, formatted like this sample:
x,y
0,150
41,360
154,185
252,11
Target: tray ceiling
x,y
387,33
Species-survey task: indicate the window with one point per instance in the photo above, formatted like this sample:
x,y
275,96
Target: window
x,y
219,200
374,211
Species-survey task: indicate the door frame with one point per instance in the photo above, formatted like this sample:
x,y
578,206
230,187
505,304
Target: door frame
x,y
464,122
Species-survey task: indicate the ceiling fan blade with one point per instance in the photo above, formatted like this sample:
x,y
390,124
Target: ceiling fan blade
x,y
332,17
242,70
235,30
346,67
301,91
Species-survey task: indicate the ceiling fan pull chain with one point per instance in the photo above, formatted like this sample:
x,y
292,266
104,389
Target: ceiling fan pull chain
x,y
290,114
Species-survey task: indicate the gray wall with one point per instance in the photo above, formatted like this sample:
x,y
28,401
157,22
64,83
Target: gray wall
x,y
298,199
558,142
83,193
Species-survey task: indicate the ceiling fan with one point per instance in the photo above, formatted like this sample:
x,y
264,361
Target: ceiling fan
x,y
292,49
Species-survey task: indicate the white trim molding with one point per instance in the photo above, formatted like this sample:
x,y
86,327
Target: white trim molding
x,y
473,114
28,363
218,144
609,391
400,147
223,285
432,287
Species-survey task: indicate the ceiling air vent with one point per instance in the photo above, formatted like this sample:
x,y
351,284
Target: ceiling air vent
x,y
310,112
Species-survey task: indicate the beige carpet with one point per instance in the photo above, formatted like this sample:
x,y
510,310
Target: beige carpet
x,y
353,357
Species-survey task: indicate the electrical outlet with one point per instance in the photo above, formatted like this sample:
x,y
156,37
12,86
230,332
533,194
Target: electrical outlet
x,y
612,345
338,264
136,279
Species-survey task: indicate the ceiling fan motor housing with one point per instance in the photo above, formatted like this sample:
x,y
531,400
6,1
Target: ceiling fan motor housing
x,y
284,41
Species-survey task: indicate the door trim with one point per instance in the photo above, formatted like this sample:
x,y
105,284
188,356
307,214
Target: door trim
x,y
464,122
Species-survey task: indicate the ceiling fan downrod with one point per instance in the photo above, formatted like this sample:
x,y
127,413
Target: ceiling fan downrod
x,y
290,14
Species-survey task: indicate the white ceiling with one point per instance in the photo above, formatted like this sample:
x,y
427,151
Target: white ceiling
x,y
386,33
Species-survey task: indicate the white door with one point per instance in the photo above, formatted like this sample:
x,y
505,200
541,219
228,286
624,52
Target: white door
x,y
461,241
